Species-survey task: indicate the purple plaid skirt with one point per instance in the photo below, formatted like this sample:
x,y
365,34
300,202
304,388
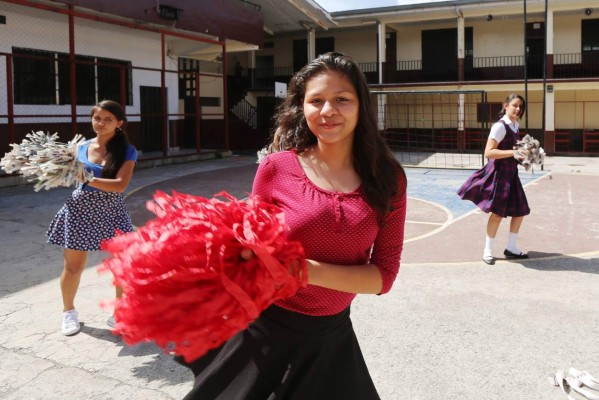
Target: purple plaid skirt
x,y
496,187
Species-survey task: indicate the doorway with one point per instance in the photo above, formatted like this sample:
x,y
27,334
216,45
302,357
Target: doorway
x,y
535,49
190,123
150,108
440,55
300,50
390,57
264,72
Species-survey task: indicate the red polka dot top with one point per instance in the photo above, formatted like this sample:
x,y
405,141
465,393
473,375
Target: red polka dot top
x,y
333,227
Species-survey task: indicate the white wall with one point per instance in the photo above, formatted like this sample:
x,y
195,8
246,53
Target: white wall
x,y
567,34
44,30
33,29
409,43
359,44
498,38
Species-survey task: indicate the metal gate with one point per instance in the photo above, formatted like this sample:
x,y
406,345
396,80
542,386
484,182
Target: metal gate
x,y
437,129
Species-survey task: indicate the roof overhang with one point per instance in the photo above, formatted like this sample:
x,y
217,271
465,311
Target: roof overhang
x,y
447,10
181,47
222,19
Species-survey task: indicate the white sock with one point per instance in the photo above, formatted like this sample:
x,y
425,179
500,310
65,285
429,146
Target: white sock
x,y
488,247
511,243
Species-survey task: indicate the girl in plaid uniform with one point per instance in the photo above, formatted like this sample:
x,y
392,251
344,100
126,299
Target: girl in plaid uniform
x,y
496,188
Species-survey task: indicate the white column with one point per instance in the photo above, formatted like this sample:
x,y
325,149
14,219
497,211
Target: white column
x,y
549,97
550,110
549,31
381,46
461,112
311,45
461,38
381,109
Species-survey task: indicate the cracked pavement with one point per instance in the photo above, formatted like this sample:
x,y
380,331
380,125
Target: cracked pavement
x,y
450,328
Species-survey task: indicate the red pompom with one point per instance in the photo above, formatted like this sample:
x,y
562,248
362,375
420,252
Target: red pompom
x,y
186,286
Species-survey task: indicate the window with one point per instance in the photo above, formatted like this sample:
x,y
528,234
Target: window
x,y
187,76
210,101
488,112
85,79
300,50
469,41
590,35
34,76
110,73
44,77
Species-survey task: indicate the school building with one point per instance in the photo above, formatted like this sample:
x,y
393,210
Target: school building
x,y
202,75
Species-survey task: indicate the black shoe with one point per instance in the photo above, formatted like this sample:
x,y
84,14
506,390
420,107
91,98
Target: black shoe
x,y
509,254
489,260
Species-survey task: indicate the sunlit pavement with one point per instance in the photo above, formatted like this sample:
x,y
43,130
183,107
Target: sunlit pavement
x,y
452,327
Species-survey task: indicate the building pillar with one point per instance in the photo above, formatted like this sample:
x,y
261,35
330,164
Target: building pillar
x,y
252,68
549,134
550,36
461,47
311,44
461,111
382,52
381,106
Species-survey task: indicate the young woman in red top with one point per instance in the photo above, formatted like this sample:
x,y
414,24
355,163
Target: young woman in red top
x,y
344,198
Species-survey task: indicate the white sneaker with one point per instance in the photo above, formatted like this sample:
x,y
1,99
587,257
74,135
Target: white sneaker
x,y
70,322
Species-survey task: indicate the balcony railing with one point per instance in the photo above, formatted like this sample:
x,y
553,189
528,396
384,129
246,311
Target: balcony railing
x,y
265,78
565,66
576,65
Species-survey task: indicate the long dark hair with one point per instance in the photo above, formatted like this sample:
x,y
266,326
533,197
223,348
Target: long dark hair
x,y
116,148
509,99
373,161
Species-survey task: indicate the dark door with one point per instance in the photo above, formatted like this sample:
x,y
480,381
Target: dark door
x,y
150,106
265,72
535,49
300,50
266,110
440,55
189,123
469,52
590,47
390,57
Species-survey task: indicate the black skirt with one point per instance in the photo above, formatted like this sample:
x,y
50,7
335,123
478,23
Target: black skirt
x,y
285,355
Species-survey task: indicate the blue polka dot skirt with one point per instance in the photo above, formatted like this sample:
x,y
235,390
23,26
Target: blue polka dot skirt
x,y
88,218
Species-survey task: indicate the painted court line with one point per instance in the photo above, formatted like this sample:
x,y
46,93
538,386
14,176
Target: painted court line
x,y
435,231
450,218
584,256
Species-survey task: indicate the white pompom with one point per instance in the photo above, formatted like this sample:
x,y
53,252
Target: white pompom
x,y
536,154
40,158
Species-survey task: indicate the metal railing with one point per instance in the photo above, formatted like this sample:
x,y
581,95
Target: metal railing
x,y
264,78
576,65
410,65
565,66
369,67
246,112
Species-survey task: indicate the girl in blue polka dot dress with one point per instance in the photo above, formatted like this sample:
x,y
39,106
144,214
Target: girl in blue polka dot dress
x,y
96,209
